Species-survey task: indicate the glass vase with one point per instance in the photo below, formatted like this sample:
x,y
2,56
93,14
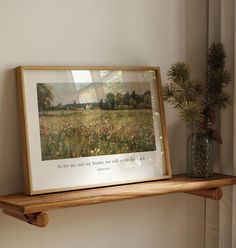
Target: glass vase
x,y
199,153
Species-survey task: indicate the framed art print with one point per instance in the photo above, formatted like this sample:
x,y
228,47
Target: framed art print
x,y
85,127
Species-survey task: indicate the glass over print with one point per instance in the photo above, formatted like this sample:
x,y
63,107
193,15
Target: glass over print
x,y
92,127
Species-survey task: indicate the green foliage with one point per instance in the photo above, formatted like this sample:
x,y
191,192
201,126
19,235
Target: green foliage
x,y
197,102
191,112
184,93
45,98
179,73
217,78
126,101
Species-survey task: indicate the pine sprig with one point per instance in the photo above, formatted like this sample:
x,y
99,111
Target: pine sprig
x,y
184,93
217,78
197,102
216,57
191,112
179,73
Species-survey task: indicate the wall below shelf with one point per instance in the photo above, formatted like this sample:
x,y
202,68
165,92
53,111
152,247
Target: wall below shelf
x,y
30,208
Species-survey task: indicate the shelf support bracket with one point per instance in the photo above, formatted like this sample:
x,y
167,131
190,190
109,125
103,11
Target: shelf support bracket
x,y
39,219
213,194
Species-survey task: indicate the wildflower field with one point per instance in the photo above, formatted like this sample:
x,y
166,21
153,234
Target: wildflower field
x,y
85,133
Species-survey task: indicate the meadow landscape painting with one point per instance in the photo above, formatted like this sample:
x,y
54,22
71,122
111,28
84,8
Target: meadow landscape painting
x,y
93,119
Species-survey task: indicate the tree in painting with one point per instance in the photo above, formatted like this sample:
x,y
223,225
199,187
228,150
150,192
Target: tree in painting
x,y
45,98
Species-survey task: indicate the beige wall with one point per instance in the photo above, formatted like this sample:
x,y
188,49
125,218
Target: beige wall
x,y
105,32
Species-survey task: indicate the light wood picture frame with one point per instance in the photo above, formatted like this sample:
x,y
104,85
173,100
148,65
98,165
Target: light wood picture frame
x,y
85,127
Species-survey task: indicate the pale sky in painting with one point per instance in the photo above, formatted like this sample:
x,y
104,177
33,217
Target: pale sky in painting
x,y
67,93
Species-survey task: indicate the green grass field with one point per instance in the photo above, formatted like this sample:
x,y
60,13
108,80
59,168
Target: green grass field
x,y
84,133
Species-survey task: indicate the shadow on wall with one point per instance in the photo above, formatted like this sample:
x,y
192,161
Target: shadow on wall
x,y
11,173
177,136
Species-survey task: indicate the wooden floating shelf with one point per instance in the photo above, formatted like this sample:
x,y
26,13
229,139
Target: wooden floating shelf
x,y
32,209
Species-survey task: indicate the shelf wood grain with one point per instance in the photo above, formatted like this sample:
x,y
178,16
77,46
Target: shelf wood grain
x,y
22,204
